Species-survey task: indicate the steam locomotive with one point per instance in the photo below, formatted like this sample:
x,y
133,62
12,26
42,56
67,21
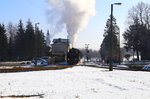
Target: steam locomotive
x,y
73,56
60,52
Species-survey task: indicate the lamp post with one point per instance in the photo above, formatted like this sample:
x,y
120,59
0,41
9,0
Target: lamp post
x,y
119,47
36,43
111,32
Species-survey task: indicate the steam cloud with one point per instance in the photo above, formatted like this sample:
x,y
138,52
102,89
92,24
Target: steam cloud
x,y
70,14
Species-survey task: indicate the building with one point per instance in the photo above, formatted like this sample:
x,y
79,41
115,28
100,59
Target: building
x,y
60,48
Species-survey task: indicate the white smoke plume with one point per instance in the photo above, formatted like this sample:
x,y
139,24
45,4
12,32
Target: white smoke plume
x,y
70,14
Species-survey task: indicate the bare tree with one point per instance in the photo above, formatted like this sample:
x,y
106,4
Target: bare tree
x,y
11,31
141,12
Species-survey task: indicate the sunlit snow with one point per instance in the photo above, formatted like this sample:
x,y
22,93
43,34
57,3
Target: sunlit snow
x,y
79,82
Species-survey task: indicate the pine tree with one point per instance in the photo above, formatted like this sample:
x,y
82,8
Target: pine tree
x,y
132,37
29,46
20,41
3,44
105,46
137,39
40,40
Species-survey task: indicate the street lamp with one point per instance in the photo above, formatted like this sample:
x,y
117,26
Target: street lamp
x,y
36,43
119,47
111,32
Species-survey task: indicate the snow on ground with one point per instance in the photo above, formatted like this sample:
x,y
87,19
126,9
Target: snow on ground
x,y
77,83
122,66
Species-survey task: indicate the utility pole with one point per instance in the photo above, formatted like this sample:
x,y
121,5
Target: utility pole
x,y
119,48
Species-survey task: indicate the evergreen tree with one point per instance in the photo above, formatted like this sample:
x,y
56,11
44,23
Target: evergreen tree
x,y
29,46
133,36
3,44
137,36
40,40
105,46
20,41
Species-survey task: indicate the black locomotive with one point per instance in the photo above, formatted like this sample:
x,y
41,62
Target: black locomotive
x,y
73,56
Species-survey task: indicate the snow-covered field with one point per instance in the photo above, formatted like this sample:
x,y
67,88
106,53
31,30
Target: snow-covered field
x,y
77,83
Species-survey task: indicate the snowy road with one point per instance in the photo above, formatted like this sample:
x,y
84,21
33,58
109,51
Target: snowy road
x,y
77,83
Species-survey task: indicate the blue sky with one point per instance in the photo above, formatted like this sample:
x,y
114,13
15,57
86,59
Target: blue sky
x,y
13,10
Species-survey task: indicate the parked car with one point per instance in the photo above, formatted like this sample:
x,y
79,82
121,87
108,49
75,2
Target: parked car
x,y
40,61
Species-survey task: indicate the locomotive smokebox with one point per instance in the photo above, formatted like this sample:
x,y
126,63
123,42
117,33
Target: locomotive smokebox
x,y
73,56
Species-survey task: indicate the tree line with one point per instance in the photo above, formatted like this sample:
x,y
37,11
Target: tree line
x,y
21,43
92,54
136,36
